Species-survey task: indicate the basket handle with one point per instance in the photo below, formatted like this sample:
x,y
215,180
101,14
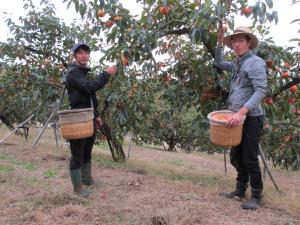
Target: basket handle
x,y
62,97
92,105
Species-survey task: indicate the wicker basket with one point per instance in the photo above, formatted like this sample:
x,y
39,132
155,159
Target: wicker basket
x,y
222,135
76,123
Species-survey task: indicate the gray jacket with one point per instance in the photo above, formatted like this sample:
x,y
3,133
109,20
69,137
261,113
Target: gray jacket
x,y
248,81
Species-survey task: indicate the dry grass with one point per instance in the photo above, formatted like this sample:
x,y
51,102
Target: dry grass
x,y
181,171
151,188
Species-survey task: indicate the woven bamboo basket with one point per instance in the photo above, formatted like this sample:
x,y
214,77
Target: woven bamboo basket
x,y
222,135
76,123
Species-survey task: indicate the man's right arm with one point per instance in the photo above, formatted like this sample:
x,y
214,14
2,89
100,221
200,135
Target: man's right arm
x,y
219,52
220,62
76,80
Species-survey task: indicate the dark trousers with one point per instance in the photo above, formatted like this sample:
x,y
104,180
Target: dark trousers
x,y
81,151
244,157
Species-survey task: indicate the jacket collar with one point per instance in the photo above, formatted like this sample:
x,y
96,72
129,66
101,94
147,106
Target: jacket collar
x,y
83,68
246,55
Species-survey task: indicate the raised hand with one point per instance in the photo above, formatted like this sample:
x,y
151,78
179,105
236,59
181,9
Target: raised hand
x,y
112,70
221,32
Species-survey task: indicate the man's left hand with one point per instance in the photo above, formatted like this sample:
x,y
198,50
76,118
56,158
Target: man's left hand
x,y
99,122
237,118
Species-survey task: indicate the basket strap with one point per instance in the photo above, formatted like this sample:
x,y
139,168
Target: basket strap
x,y
92,105
62,97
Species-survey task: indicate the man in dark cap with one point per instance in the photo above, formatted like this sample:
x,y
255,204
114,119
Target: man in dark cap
x,y
247,89
81,94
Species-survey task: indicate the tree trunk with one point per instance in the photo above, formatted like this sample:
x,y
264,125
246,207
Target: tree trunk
x,y
6,122
171,142
115,146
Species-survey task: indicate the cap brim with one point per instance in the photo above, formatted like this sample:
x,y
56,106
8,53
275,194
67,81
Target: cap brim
x,y
253,39
83,46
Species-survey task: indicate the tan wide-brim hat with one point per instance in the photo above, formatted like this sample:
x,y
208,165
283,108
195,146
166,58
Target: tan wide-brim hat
x,y
241,30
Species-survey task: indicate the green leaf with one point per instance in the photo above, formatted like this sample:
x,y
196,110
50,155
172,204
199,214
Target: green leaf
x,y
102,3
269,3
98,30
213,39
137,56
261,18
270,17
82,10
76,6
263,8
218,10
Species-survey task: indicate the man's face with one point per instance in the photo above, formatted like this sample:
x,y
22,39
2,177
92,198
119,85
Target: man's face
x,y
82,57
240,44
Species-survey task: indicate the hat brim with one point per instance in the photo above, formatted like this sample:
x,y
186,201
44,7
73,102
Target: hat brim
x,y
253,39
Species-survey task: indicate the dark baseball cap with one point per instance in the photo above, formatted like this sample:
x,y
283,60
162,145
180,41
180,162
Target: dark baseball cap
x,y
80,45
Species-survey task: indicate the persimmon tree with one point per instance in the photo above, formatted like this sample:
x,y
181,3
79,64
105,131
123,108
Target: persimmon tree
x,y
167,82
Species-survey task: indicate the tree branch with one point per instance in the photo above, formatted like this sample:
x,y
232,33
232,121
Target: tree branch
x,y
47,54
287,86
182,31
165,25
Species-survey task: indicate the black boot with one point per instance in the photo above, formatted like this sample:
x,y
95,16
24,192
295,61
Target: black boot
x,y
239,193
255,200
87,174
77,183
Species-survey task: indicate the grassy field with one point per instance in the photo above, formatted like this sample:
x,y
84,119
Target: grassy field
x,y
152,187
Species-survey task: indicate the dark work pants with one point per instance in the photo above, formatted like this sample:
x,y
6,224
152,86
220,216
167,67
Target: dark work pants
x,y
244,157
81,150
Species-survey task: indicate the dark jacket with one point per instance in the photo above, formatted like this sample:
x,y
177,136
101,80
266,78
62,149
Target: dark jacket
x,y
81,90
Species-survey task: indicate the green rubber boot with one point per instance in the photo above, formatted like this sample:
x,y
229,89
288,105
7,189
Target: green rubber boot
x,y
86,170
77,183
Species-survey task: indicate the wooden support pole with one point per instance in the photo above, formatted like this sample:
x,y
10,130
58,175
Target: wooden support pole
x,y
262,155
225,162
264,173
17,128
129,148
26,133
23,123
55,109
54,127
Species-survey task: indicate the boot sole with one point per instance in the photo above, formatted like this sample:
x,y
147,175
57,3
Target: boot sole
x,y
245,208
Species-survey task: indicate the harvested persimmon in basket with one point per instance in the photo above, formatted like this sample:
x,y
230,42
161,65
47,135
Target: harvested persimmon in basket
x,y
223,117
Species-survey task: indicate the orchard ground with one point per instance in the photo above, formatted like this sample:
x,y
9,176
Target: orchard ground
x,y
153,187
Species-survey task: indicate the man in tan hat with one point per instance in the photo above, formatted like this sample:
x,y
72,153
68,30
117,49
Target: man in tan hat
x,y
247,89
